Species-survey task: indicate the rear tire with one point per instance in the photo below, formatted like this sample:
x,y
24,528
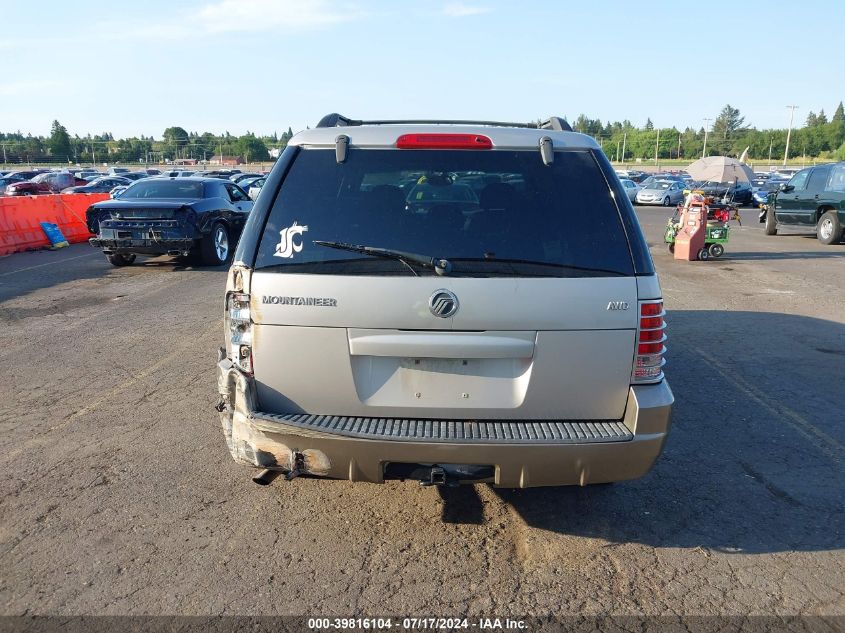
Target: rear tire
x,y
716,250
771,222
215,248
671,247
703,254
829,228
119,259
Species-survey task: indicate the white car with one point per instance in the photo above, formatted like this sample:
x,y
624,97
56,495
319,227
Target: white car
x,y
665,192
255,188
631,188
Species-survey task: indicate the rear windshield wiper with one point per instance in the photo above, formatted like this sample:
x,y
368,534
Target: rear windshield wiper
x,y
438,264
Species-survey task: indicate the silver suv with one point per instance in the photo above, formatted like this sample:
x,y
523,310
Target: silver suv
x,y
448,302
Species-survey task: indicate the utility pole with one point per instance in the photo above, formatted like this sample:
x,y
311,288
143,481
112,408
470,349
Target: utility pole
x,y
617,150
4,154
704,149
656,146
624,140
789,132
679,146
771,142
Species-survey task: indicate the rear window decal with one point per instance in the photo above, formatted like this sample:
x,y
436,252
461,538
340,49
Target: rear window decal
x,y
287,245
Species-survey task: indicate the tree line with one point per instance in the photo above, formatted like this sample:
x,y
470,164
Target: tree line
x,y
726,135
175,143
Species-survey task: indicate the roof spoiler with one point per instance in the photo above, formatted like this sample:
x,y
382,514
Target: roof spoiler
x,y
334,119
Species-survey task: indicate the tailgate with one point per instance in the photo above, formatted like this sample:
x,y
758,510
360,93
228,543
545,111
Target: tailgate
x,y
516,348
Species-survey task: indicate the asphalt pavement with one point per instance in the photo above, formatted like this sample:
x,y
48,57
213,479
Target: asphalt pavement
x,y
118,496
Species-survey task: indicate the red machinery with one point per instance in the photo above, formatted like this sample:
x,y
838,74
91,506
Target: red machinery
x,y
689,241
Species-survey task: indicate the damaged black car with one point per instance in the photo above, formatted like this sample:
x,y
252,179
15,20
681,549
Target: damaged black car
x,y
200,218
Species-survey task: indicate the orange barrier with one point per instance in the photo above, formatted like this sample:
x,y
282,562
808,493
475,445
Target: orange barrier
x,y
20,217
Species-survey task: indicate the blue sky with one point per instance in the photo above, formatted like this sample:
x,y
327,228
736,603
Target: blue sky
x,y
263,65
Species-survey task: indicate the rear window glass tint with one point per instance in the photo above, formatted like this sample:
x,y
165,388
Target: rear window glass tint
x,y
492,213
161,188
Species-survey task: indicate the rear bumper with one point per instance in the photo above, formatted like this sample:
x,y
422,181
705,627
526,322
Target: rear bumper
x,y
143,246
263,441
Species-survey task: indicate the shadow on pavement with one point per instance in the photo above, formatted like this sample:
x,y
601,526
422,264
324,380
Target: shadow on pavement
x,y
24,273
754,460
835,253
461,505
174,263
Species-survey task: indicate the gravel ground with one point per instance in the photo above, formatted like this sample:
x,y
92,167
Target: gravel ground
x,y
117,494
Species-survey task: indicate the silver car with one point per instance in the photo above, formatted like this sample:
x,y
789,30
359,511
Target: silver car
x,y
255,187
665,192
442,302
631,188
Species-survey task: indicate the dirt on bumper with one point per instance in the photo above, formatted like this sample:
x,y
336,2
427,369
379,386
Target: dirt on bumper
x,y
261,443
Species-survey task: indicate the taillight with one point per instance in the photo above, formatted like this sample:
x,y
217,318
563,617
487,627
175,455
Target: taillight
x,y
648,366
444,141
239,330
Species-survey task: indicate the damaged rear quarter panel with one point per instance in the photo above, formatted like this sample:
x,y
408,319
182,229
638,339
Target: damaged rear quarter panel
x,y
247,442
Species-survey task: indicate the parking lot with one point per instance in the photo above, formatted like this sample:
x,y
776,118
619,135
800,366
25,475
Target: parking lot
x,y
118,496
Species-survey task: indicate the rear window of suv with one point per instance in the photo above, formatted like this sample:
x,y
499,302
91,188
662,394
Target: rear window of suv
x,y
490,213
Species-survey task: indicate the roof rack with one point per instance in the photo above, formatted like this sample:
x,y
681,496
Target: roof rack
x,y
337,120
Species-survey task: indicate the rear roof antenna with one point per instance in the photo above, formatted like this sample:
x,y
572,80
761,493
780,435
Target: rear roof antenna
x,y
336,120
555,123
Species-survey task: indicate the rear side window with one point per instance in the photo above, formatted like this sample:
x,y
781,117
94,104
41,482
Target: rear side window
x,y
235,194
818,178
490,213
837,178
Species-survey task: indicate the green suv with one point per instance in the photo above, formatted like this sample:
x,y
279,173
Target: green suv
x,y
813,197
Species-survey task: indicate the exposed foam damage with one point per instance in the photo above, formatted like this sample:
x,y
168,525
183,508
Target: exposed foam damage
x,y
249,444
